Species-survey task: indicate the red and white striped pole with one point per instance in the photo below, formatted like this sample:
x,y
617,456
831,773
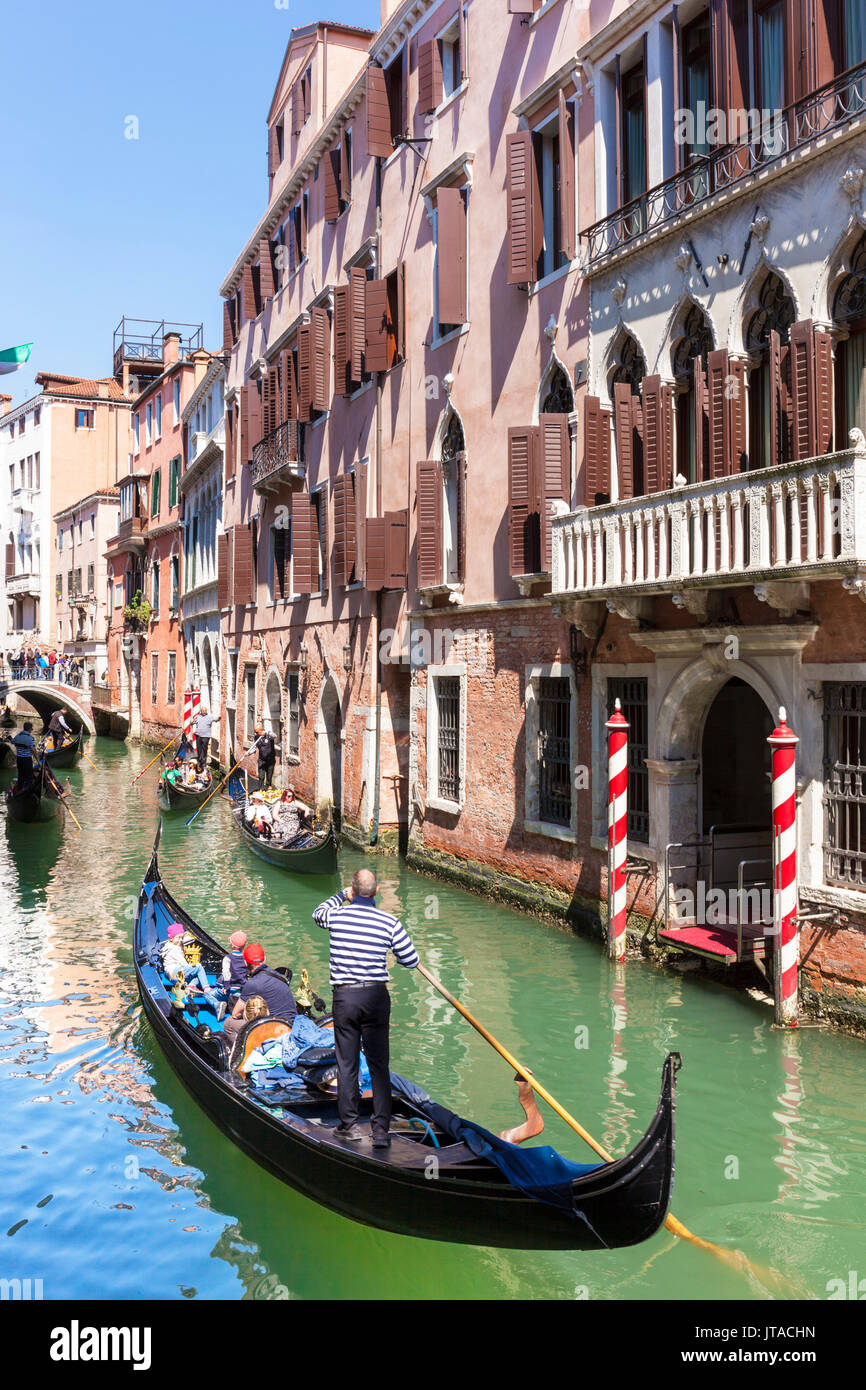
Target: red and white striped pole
x,y
783,742
187,712
617,815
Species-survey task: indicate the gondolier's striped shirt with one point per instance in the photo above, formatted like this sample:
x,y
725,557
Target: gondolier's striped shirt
x,y
361,936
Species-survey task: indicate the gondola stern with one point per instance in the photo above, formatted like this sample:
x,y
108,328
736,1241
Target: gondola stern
x,y
153,875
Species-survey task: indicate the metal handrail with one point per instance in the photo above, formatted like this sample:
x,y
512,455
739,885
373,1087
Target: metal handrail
x,y
740,890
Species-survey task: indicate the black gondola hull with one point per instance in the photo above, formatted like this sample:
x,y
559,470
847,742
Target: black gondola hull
x,y
30,807
171,797
68,756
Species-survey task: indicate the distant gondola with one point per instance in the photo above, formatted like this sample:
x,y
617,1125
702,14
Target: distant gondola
x,y
314,854
8,755
475,1199
68,754
173,795
7,721
41,801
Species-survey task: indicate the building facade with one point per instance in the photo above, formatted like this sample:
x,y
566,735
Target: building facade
x,y
82,591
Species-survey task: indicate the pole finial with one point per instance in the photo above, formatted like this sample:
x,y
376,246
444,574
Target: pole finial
x,y
616,704
783,714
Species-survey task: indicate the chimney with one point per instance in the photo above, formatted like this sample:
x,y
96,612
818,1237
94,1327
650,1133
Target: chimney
x,y
170,348
102,390
201,362
5,403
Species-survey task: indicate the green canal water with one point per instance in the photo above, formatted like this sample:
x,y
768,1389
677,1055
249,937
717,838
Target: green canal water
x,y
115,1184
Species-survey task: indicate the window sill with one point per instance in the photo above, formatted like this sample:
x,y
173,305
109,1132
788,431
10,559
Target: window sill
x,y
553,832
633,848
453,592
438,803
545,9
450,336
397,151
360,391
458,92
554,274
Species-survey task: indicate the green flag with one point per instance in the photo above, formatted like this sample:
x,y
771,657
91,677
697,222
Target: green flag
x,y
13,358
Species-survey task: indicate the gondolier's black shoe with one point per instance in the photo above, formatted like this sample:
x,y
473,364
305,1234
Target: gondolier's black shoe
x,y
353,1132
381,1141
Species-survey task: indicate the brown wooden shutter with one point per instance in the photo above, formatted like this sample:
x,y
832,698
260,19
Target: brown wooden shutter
x,y
229,446
228,325
460,466
430,554
321,336
429,76
777,421
396,550
322,496
376,545
568,235
596,452
251,431
658,434
522,207
376,346
699,400
523,491
357,321
305,370
623,418
379,144
719,413
451,255
400,316
244,585
266,270
331,173
266,404
823,392
248,294
341,340
802,412
305,544
10,559
345,528
739,435
222,571
828,60
297,108
554,476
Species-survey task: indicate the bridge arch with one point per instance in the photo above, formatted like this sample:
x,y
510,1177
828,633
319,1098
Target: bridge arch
x,y
47,696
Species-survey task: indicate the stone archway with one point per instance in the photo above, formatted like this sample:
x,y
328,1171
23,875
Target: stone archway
x,y
329,746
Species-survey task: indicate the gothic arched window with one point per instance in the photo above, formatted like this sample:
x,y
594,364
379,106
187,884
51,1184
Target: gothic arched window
x,y
849,311
696,342
775,313
559,397
454,499
631,367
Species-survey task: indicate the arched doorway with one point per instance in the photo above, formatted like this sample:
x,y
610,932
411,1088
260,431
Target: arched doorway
x,y
329,747
735,758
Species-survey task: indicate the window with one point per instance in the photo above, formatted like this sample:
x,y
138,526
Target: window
x,y
136,431
768,441
175,582
92,525
696,84
60,539
37,415
450,57
448,751
118,595
337,165
154,493
21,422
154,596
36,471
321,515
171,682
157,427
632,693
395,89
83,420
176,400
80,529
154,677
173,477
554,750
250,692
845,782
90,576
297,223
58,587
850,311
280,585
148,424
69,582
294,712
633,151
280,132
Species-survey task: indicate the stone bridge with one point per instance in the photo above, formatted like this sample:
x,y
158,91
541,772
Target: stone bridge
x,y
47,696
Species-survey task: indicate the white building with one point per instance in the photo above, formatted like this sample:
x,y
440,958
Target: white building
x,y
201,486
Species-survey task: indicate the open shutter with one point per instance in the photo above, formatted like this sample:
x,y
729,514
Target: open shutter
x,y
699,399
228,325
777,421
357,321
248,294
266,270
430,545
379,144
451,255
305,370
376,346
596,452
222,571
251,420
243,587
554,475
658,434
523,490
229,446
623,417
823,392
567,223
266,404
376,544
331,171
802,369
719,413
396,550
522,207
739,437
460,465
305,544
321,334
297,108
341,340
274,396
429,76
828,42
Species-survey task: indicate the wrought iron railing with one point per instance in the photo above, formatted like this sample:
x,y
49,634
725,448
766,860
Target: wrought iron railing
x,y
826,109
277,451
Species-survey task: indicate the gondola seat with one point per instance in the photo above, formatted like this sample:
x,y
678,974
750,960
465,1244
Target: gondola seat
x,y
253,1035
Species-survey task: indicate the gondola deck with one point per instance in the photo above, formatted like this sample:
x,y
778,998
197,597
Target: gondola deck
x,y
471,1201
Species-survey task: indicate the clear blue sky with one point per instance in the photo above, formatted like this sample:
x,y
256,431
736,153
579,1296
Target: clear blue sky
x,y
93,225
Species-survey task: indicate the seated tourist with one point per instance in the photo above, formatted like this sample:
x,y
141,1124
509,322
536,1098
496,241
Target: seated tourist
x,y
174,961
273,988
287,814
258,815
235,969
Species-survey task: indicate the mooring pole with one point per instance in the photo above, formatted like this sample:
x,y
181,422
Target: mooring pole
x,y
786,942
617,831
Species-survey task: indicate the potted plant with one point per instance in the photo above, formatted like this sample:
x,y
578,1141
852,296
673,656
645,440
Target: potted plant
x,y
137,614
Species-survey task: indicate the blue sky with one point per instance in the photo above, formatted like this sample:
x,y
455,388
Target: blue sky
x,y
94,225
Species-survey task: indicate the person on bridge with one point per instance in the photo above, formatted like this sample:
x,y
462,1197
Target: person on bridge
x,y
361,937
203,730
58,727
25,744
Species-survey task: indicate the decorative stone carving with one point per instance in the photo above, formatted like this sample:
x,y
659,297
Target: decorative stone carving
x,y
683,258
586,614
695,601
619,291
857,440
634,609
856,584
448,384
789,599
550,329
852,181
759,226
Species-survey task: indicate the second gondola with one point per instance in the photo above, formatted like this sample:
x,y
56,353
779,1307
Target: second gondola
x,y
309,853
68,754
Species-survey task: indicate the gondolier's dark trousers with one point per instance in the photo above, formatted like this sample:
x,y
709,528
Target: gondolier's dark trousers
x,y
202,748
25,772
266,773
362,1014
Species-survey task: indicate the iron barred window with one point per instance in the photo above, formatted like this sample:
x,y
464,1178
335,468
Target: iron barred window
x,y
845,782
631,691
448,704
554,750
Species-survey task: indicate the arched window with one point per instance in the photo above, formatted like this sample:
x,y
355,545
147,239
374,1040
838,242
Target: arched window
x,y
774,315
625,390
559,396
849,311
630,368
453,465
696,342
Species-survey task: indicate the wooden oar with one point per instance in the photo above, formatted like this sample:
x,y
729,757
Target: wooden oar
x,y
153,760
223,782
90,760
735,1258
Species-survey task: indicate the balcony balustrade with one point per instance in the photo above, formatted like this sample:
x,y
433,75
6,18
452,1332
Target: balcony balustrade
x,y
275,458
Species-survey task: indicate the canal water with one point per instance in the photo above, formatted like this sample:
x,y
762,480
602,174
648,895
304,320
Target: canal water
x,y
115,1184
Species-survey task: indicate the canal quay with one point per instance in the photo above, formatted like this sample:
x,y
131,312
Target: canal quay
x,y
116,1184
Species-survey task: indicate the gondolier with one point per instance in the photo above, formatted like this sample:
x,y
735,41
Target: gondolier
x,y
267,746
24,743
203,732
58,727
361,936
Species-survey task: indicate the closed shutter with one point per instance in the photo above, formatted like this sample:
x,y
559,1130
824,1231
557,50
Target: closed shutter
x,y
331,172
10,559
376,543
523,547
379,144
554,482
345,532
357,321
341,341
244,586
802,369
658,434
222,571
719,413
376,346
305,544
251,431
429,76
777,422
823,392
266,270
228,325
396,550
739,436
699,401
596,453
567,225
430,555
451,255
321,336
248,294
229,448
522,201
360,494
623,418
305,370
266,404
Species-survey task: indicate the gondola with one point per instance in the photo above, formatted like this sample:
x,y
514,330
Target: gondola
x,y
474,1200
41,801
7,722
172,796
314,854
68,754
7,753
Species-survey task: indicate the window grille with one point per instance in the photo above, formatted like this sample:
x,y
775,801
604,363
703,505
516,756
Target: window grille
x,y
631,691
845,782
448,702
554,750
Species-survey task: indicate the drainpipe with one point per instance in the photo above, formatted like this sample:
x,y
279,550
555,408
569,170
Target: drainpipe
x,y
377,627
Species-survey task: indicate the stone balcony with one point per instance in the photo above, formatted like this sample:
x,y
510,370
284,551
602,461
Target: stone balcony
x,y
24,584
275,461
775,529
